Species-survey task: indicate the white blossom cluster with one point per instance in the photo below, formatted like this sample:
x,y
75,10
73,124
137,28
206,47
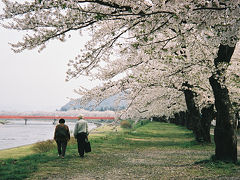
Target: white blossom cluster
x,y
144,48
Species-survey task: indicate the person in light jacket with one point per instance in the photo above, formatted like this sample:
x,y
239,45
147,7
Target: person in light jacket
x,y
81,134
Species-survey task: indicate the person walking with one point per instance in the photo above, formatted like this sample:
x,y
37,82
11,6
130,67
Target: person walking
x,y
81,134
61,136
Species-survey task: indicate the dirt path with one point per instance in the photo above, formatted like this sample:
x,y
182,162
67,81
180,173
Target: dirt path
x,y
163,161
150,164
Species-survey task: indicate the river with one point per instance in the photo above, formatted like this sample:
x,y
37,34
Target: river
x,y
15,133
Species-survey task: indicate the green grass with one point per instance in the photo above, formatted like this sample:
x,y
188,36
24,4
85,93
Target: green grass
x,y
17,152
148,151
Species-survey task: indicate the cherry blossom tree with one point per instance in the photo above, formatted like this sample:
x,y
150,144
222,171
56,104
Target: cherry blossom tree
x,y
147,48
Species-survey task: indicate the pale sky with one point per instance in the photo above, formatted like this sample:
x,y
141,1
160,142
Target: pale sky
x,y
32,81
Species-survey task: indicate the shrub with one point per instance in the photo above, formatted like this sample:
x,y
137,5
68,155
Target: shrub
x,y
125,124
141,123
44,146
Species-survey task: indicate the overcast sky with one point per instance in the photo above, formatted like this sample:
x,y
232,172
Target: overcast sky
x,y
32,81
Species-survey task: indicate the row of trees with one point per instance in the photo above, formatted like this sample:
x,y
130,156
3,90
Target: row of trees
x,y
184,118
165,55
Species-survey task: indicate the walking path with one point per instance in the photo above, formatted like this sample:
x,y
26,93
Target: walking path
x,y
152,152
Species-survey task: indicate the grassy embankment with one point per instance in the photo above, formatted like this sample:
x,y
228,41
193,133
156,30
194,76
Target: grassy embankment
x,y
151,151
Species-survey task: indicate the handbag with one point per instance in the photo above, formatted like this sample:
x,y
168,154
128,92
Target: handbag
x,y
87,146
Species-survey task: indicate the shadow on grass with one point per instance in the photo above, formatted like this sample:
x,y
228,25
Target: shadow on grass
x,y
218,163
227,168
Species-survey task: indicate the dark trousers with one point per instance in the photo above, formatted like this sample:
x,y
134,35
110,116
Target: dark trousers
x,y
62,145
81,143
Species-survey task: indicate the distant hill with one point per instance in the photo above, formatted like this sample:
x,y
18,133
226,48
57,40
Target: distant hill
x,y
107,104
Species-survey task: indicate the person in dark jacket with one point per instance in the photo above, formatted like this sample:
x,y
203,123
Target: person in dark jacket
x,y
61,136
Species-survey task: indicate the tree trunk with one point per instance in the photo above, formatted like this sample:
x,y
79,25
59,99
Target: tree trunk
x,y
238,120
188,121
177,118
225,131
194,116
207,117
182,117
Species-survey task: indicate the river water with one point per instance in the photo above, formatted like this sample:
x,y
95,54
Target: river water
x,y
15,133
